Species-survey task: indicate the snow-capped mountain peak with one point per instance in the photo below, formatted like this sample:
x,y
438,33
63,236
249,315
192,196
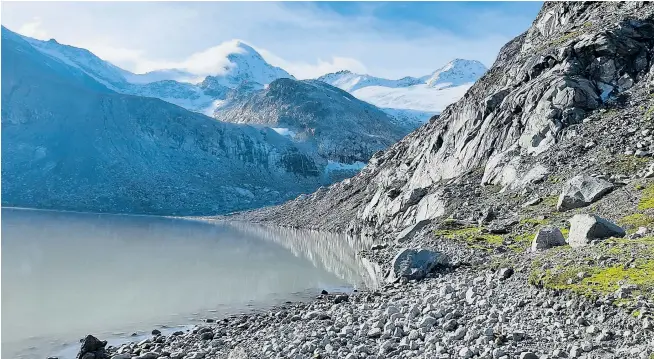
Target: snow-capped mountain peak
x,y
245,64
456,72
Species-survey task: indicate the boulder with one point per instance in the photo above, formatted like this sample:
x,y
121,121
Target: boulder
x,y
581,191
415,263
587,227
93,347
546,238
410,231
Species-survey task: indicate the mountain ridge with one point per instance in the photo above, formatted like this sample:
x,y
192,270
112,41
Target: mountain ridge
x,y
71,143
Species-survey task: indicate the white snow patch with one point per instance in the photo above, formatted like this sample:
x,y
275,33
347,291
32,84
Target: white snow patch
x,y
284,131
418,97
215,104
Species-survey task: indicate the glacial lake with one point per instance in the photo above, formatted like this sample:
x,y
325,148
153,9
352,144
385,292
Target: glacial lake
x,y
65,275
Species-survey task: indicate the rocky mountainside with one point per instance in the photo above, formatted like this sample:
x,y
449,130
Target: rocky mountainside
x,y
181,87
540,116
413,99
341,129
537,186
69,142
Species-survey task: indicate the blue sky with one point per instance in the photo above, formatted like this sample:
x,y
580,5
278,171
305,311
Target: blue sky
x,y
308,39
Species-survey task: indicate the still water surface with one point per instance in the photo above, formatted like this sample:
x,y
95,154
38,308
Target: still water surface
x,y
65,275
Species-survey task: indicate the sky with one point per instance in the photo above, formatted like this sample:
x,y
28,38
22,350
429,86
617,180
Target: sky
x,y
308,39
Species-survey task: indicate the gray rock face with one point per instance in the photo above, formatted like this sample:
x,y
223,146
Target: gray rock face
x,y
415,263
336,125
587,227
574,59
547,238
581,191
408,232
70,143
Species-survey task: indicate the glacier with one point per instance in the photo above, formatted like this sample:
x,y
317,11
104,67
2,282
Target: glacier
x,y
412,100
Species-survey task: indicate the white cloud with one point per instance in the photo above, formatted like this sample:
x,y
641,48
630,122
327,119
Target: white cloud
x,y
306,70
33,29
305,39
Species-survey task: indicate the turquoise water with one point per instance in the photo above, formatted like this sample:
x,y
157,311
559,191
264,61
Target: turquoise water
x,y
65,275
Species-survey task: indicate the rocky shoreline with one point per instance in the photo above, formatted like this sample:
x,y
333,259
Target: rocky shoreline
x,y
477,306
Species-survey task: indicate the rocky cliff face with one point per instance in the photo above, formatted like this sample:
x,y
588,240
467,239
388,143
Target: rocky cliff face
x,y
70,143
576,60
338,127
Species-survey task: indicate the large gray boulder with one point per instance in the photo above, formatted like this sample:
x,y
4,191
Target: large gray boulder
x,y
410,231
581,191
415,263
587,227
546,238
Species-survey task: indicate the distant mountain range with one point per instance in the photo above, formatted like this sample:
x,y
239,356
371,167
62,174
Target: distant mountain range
x,y
413,98
71,142
79,133
340,128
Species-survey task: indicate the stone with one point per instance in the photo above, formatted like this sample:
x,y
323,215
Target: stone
x,y
528,355
206,336
585,228
374,333
581,191
427,322
94,346
415,263
156,332
505,273
410,231
466,353
341,298
546,238
450,325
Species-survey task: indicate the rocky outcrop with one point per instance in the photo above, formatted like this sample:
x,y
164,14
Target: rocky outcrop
x,y
415,263
93,348
584,228
547,238
581,191
575,59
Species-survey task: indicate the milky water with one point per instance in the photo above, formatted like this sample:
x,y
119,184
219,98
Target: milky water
x,y
65,275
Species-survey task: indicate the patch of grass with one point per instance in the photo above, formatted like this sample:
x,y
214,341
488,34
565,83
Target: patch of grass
x,y
649,113
599,281
647,198
633,221
522,241
636,313
555,270
565,38
565,232
628,164
534,221
550,201
473,236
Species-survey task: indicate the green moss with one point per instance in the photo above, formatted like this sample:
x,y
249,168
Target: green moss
x,y
636,313
550,201
633,221
565,38
534,221
588,24
599,281
565,232
562,274
647,198
627,164
473,236
649,113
